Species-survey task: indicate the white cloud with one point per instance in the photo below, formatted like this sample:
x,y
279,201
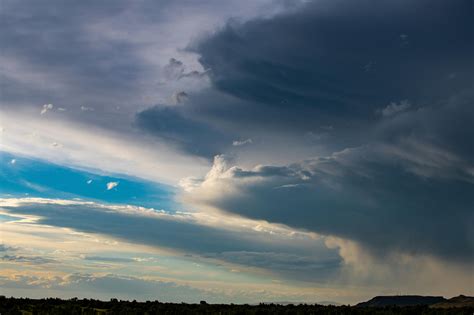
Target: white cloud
x,y
97,148
237,143
13,161
89,181
112,185
46,108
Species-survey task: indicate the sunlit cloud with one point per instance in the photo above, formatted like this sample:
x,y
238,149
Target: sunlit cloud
x,y
112,185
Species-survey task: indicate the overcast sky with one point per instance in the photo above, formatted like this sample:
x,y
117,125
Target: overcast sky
x,y
236,151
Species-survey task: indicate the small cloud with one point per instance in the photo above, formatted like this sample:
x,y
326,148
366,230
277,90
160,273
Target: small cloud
x,y
174,69
238,143
89,182
179,97
194,74
62,109
327,128
369,66
394,108
55,144
86,109
13,161
112,185
287,186
46,108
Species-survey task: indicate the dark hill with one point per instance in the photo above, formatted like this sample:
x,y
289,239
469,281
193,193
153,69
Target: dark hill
x,y
457,301
402,300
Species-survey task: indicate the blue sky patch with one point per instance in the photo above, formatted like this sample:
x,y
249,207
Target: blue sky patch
x,y
20,176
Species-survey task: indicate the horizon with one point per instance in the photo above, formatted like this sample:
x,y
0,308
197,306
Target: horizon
x,y
236,151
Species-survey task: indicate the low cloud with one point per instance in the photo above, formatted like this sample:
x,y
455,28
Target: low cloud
x,y
201,234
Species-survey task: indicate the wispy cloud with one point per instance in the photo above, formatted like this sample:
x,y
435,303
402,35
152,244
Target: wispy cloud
x,y
237,143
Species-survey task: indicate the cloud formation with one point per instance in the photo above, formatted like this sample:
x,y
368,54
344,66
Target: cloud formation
x,y
360,115
200,234
354,194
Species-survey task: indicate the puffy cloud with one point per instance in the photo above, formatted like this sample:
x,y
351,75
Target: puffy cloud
x,y
356,194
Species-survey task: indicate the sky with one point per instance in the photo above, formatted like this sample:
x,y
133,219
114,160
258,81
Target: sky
x,y
236,151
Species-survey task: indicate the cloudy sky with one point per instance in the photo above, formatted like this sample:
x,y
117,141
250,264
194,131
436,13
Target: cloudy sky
x,y
236,151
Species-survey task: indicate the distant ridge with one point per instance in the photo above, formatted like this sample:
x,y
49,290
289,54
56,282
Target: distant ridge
x,y
402,300
457,301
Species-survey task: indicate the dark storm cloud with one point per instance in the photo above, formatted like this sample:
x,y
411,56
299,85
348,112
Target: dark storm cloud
x,y
382,67
171,124
337,63
366,194
393,79
315,58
